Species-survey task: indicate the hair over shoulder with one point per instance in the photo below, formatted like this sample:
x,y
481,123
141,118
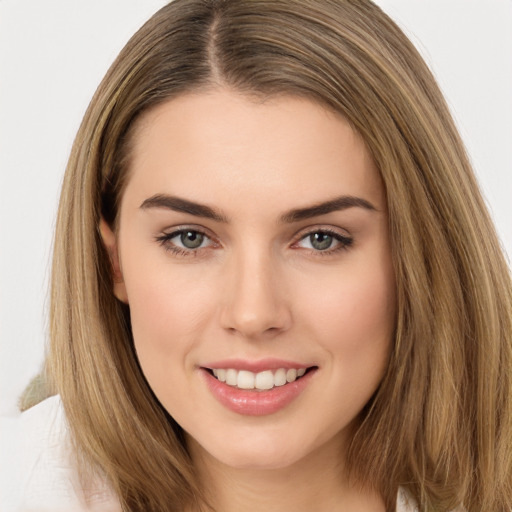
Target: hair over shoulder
x,y
440,423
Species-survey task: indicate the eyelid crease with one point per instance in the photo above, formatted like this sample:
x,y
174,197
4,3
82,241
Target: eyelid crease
x,y
176,230
164,239
345,241
322,228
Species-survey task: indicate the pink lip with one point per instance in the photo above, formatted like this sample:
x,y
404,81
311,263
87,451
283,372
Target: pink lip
x,y
255,366
256,403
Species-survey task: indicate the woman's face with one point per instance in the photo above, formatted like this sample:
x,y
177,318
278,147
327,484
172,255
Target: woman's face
x,y
253,244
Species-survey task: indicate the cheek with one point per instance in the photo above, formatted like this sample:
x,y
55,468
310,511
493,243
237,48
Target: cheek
x,y
353,316
168,308
164,307
166,326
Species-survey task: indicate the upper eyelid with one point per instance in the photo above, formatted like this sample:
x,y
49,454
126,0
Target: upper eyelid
x,y
165,237
176,230
299,235
321,228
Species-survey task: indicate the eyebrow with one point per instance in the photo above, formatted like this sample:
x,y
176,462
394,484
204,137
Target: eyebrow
x,y
181,205
337,204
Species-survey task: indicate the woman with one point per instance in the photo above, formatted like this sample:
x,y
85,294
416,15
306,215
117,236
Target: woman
x,y
275,284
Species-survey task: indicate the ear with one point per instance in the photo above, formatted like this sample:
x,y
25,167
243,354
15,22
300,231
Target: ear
x,y
110,242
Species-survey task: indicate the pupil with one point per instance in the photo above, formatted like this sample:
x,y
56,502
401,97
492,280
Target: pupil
x,y
191,239
321,241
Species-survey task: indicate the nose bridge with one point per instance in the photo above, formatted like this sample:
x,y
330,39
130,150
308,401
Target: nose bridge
x,y
254,303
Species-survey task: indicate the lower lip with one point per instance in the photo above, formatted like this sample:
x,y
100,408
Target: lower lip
x,y
256,403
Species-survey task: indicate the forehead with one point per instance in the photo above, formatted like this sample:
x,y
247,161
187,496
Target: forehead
x,y
210,146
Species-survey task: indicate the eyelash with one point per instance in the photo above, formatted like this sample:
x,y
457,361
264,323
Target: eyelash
x,y
344,242
165,241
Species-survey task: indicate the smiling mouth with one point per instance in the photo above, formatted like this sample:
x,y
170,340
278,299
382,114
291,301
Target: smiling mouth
x,y
261,381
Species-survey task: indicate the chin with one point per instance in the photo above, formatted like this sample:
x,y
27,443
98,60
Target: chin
x,y
257,460
257,454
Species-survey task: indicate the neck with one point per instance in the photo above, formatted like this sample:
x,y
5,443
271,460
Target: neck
x,y
317,482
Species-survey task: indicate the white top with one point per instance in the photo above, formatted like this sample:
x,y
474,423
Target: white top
x,y
38,472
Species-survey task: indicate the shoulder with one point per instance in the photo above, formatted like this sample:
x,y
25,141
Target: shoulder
x,y
39,471
405,502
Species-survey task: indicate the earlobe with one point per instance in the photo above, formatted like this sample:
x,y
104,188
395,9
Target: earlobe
x,y
110,243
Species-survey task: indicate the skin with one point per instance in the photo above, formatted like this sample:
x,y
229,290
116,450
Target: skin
x,y
258,288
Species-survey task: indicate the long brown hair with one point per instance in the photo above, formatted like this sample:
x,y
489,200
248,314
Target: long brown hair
x,y
440,423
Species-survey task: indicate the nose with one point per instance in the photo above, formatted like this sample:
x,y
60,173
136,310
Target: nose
x,y
254,299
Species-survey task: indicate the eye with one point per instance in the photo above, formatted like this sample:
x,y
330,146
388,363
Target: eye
x,y
185,241
323,240
189,239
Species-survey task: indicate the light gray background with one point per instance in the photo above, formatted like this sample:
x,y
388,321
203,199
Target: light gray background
x,y
53,54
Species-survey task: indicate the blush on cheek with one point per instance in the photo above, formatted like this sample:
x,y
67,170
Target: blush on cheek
x,y
164,304
167,317
364,306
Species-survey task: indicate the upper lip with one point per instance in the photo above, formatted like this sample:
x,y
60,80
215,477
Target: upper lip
x,y
255,366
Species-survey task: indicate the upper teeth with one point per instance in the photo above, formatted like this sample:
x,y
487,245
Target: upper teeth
x,y
267,379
